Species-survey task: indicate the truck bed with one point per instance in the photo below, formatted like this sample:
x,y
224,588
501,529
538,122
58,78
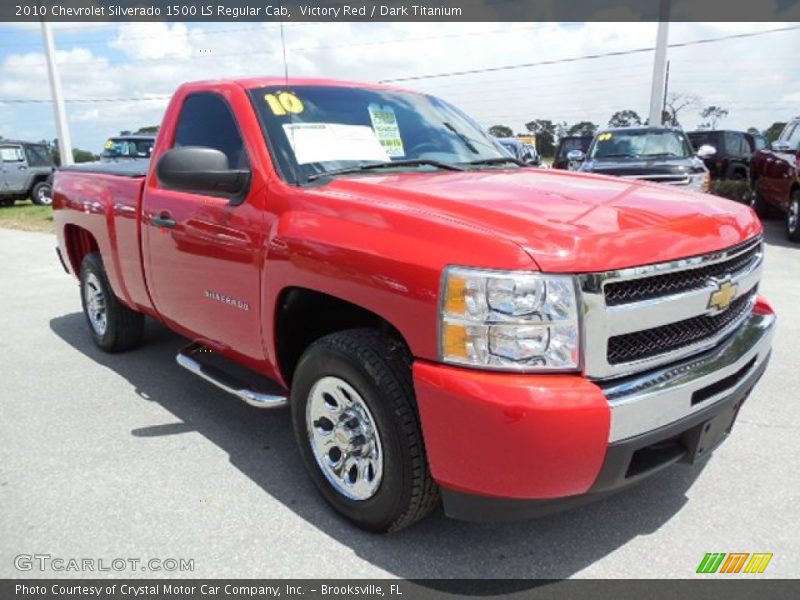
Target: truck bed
x,y
103,199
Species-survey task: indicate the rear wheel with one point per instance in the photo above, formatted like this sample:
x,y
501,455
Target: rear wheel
x,y
42,194
114,327
757,202
356,424
793,217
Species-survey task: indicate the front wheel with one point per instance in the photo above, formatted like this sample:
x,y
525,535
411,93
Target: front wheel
x,y
114,326
42,194
357,427
793,218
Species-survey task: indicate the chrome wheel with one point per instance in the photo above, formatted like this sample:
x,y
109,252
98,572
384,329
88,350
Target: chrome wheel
x,y
44,195
344,438
95,302
793,216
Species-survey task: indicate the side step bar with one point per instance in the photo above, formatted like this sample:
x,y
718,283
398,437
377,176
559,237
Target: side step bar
x,y
225,381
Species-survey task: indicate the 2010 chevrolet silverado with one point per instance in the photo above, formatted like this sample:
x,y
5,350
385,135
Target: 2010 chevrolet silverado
x,y
443,321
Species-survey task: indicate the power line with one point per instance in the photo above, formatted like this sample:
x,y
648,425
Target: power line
x,y
588,56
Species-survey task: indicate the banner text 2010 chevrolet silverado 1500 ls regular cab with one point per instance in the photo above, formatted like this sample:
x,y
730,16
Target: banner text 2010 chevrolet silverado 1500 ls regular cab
x,y
443,321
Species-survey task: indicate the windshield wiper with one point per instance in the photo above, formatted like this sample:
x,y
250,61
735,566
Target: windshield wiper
x,y
618,155
412,162
498,160
659,154
466,140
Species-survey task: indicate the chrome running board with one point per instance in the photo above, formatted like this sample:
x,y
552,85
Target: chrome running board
x,y
225,381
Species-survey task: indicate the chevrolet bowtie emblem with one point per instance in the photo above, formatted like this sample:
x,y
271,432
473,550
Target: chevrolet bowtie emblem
x,y
722,297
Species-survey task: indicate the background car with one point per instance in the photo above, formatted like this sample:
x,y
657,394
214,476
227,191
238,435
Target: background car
x,y
128,147
26,171
567,143
734,149
658,154
521,151
775,178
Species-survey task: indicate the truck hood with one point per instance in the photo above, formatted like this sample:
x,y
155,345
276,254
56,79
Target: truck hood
x,y
638,167
566,222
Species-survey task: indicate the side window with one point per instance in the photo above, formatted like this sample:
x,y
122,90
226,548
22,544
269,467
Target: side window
x,y
787,131
206,120
37,156
794,137
11,154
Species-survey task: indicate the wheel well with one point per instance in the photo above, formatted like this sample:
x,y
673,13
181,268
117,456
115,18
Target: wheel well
x,y
79,243
303,316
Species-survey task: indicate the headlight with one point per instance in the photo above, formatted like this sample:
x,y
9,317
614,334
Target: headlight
x,y
700,181
509,320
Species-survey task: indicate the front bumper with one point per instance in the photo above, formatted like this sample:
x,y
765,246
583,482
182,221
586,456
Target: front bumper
x,y
506,446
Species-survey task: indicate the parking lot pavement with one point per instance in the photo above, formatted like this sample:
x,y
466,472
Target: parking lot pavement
x,y
106,456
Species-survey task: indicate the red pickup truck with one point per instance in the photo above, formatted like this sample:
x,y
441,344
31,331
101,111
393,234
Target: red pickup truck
x,y
775,178
443,321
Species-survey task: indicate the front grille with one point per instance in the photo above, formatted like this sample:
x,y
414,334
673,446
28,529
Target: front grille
x,y
647,288
644,344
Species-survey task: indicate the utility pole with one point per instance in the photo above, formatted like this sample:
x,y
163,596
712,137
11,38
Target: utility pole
x,y
659,65
62,127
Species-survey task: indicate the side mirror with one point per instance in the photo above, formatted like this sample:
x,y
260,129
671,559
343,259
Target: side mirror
x,y
202,170
576,156
781,146
706,151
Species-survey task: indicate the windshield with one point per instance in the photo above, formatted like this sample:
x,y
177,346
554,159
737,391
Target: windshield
x,y
121,147
568,144
640,144
313,130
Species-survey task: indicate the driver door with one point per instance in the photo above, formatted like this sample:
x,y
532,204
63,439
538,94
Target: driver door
x,y
203,254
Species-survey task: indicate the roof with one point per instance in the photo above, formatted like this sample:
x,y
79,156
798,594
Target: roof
x,y
639,128
5,141
139,136
279,80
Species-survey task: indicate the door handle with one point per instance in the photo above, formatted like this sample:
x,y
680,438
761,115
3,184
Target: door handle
x,y
22,168
163,220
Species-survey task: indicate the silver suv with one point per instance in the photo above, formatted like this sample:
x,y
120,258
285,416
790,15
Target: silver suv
x,y
25,172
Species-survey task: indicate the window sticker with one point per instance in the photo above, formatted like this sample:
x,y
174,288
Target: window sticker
x,y
323,142
110,144
384,122
284,103
605,136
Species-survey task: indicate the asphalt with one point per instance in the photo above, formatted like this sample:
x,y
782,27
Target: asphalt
x,y
128,456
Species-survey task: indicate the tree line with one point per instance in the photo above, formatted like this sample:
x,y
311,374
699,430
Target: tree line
x,y
548,132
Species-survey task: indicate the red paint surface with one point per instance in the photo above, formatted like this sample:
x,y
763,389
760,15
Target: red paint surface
x,y
381,242
508,435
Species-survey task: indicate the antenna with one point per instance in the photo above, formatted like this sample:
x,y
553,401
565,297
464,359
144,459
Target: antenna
x,y
285,62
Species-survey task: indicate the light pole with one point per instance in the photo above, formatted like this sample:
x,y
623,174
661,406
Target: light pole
x,y
62,126
659,65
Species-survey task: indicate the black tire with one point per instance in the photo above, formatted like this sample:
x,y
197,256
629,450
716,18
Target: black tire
x,y
757,202
124,328
793,217
42,194
379,370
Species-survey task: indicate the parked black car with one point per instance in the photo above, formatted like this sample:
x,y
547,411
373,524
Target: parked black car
x,y
568,143
659,154
25,172
734,149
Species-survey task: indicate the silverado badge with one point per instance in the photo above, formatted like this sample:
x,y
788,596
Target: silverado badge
x,y
722,297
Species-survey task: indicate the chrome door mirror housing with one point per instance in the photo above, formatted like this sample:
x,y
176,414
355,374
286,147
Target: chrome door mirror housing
x,y
576,156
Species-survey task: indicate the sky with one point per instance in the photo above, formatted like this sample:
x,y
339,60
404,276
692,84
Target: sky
x,y
138,65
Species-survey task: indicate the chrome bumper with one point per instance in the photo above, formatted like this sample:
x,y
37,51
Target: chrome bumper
x,y
659,397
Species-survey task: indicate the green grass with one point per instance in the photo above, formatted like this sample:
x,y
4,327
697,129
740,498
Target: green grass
x,y
27,216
